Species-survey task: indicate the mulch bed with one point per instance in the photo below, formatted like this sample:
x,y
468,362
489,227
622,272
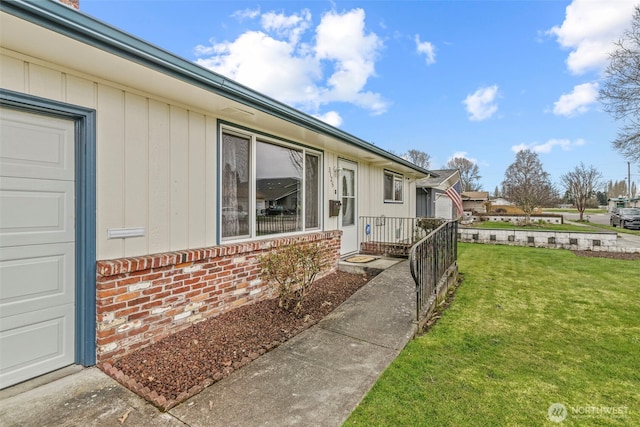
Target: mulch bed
x,y
183,364
612,255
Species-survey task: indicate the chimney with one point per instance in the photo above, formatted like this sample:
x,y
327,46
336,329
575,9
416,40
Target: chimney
x,y
72,3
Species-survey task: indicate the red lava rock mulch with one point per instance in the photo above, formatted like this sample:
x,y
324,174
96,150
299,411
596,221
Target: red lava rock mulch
x,y
183,364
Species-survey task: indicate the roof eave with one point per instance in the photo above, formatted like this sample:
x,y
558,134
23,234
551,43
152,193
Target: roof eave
x,y
74,24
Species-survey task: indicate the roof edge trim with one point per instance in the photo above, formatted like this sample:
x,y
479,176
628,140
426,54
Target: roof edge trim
x,y
79,26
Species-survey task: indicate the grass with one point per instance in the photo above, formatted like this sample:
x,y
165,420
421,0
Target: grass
x,y
575,211
528,328
586,226
616,229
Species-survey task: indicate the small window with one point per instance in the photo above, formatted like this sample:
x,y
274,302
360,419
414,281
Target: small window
x,y
393,187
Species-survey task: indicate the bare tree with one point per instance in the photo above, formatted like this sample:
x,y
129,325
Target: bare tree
x,y
526,184
418,158
469,173
581,184
620,91
496,192
617,188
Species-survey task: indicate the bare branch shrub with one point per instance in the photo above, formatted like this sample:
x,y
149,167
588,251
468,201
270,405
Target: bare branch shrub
x,y
290,271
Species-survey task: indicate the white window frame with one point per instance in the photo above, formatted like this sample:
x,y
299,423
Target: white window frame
x,y
396,178
254,137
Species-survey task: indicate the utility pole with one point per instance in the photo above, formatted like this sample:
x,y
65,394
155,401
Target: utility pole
x,y
629,180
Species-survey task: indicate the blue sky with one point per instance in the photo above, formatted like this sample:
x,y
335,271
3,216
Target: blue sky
x,y
474,79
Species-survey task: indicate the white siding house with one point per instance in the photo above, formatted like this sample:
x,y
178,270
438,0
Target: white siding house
x,y
133,190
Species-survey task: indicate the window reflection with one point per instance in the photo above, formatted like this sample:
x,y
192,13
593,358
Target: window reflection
x,y
278,189
235,186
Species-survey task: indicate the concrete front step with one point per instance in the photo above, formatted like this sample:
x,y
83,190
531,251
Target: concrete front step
x,y
374,267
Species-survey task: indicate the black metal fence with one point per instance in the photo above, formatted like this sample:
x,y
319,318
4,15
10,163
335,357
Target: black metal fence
x,y
433,263
393,236
277,224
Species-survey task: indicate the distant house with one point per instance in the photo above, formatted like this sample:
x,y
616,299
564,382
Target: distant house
x,y
134,184
622,202
500,201
283,192
439,196
475,201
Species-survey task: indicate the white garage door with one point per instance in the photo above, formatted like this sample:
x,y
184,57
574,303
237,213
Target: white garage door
x,y
37,245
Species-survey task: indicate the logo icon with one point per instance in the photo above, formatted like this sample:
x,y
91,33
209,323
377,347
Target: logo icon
x,y
557,413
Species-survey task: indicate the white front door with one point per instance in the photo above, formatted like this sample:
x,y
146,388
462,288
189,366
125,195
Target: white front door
x,y
348,218
37,245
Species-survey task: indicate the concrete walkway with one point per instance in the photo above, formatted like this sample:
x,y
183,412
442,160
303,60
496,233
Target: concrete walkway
x,y
315,379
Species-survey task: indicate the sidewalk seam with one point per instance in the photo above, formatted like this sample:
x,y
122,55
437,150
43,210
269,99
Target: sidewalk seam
x,y
413,334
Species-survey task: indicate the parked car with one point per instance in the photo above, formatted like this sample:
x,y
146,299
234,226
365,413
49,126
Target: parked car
x,y
626,218
276,210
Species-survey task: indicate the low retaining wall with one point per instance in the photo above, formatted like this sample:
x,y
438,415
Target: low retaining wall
x,y
518,218
144,299
582,241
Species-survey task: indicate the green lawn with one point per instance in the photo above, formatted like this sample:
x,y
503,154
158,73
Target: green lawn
x,y
528,328
586,226
575,211
616,229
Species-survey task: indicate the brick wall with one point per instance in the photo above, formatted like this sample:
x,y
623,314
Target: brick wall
x,y
141,300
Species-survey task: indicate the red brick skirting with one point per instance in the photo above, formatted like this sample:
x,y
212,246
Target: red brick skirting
x,y
143,299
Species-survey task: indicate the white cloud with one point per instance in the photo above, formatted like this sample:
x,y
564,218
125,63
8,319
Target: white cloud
x,y
342,40
292,27
589,29
578,101
246,14
283,60
331,117
267,65
462,154
481,104
427,49
547,147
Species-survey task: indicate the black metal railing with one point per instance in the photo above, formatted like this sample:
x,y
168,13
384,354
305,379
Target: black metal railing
x,y
393,236
277,224
432,261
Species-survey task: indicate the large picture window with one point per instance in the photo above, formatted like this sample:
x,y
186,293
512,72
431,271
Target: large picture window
x,y
267,187
393,187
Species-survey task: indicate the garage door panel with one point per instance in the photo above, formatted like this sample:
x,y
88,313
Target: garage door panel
x,y
36,211
43,272
36,146
37,245
34,343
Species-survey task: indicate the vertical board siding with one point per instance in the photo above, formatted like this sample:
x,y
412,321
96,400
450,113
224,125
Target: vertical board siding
x,y
45,82
156,162
179,173
136,170
159,179
330,189
211,179
12,73
372,198
109,170
80,91
197,184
